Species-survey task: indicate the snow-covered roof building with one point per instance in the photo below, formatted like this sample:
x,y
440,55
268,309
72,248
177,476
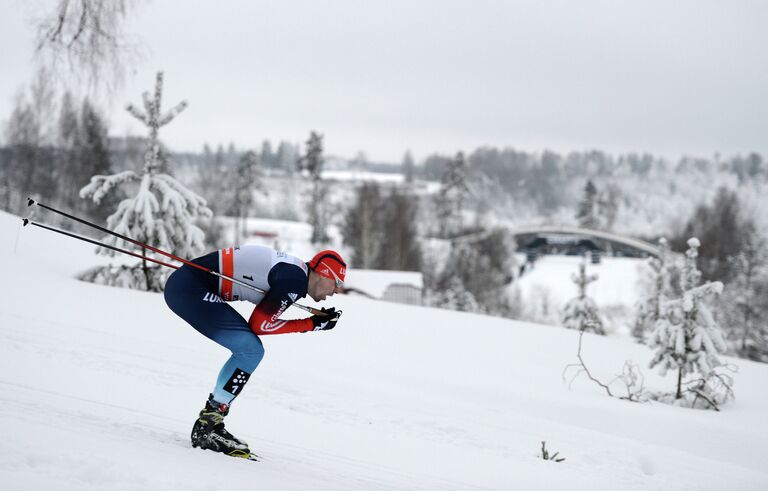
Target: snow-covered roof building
x,y
394,286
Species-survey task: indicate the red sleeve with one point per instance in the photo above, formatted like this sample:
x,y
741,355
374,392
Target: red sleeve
x,y
288,282
262,322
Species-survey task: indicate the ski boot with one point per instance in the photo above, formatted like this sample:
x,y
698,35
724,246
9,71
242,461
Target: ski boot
x,y
209,433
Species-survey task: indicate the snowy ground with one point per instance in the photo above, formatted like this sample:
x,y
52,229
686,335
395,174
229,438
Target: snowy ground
x,y
359,175
100,387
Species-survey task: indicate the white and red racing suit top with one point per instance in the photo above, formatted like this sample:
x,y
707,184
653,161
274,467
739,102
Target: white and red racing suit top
x,y
283,277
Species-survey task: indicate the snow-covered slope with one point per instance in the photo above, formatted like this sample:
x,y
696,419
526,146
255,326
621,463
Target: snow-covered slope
x,y
99,388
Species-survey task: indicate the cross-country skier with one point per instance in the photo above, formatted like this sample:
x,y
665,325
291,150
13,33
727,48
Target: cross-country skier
x,y
200,299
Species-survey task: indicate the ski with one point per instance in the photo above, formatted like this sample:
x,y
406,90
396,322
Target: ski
x,y
242,454
238,454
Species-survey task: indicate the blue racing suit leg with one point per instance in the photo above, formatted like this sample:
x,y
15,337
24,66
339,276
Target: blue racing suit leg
x,y
188,294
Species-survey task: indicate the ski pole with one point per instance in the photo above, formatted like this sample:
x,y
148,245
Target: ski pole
x,y
31,202
27,221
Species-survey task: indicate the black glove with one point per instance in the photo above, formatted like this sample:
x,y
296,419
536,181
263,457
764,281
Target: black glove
x,y
326,320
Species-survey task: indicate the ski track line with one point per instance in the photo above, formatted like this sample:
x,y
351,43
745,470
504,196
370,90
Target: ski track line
x,y
367,473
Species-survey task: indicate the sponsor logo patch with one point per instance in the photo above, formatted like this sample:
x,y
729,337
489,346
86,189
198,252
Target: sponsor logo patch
x,y
283,306
271,326
236,381
210,297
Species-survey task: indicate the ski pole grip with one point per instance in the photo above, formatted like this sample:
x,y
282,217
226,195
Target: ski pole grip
x,y
31,202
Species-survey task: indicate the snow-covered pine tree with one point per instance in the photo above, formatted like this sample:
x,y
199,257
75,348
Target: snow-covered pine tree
x,y
93,158
268,157
686,336
649,309
581,312
607,205
214,181
313,162
485,268
408,167
287,155
29,136
399,218
161,211
68,142
363,232
587,211
745,303
491,272
452,196
249,179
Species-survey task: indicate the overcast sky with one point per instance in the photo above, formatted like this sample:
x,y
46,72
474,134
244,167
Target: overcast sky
x,y
667,77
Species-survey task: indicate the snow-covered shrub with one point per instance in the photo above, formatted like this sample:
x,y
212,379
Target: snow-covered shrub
x,y
456,297
581,312
123,276
688,339
648,310
483,266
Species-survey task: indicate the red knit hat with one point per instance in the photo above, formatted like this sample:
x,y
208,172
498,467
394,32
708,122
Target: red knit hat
x,y
329,263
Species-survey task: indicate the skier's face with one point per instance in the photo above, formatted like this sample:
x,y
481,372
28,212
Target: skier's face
x,y
321,287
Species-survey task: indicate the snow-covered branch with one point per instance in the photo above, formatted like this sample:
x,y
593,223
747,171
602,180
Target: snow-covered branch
x,y
102,185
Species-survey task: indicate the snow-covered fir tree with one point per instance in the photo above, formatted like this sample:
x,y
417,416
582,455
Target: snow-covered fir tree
x,y
401,248
490,269
81,152
587,211
649,309
408,167
286,157
608,206
745,302
686,336
268,157
313,161
485,267
362,231
249,179
453,194
160,212
214,178
581,312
